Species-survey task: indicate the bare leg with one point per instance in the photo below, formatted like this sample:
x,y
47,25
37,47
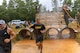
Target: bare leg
x,y
39,44
41,47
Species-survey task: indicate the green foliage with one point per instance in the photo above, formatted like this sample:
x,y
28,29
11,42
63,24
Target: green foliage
x,y
54,4
4,4
73,13
68,2
75,7
18,9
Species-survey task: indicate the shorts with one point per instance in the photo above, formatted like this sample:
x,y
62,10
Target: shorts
x,y
39,39
2,50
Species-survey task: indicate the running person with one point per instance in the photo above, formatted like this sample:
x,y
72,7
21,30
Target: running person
x,y
39,29
6,35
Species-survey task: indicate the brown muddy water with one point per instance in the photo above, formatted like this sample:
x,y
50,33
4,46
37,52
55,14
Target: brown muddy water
x,y
49,46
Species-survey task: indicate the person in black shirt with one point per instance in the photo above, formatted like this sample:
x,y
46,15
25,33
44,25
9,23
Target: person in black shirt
x,y
39,29
6,35
65,11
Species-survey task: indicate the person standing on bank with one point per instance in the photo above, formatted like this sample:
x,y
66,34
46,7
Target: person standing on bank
x,y
6,35
39,29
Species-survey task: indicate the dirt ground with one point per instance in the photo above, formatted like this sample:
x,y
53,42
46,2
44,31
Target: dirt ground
x,y
49,46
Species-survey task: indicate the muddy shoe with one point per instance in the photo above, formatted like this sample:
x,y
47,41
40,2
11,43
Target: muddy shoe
x,y
40,51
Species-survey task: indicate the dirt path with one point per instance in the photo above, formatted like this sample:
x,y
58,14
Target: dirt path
x,y
49,46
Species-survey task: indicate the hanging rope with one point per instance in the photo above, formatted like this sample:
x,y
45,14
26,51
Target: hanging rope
x,y
67,13
66,10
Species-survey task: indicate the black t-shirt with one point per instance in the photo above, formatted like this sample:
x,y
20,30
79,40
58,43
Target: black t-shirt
x,y
37,28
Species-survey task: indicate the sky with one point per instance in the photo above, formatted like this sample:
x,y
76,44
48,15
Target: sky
x,y
2,1
46,3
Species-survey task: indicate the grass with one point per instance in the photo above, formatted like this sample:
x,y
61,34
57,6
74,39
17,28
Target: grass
x,y
16,31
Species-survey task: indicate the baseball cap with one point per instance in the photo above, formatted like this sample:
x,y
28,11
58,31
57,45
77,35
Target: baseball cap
x,y
2,22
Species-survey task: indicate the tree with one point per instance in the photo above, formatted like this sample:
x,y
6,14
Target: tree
x,y
73,8
19,9
11,4
11,10
68,2
3,11
32,9
55,5
43,9
4,4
